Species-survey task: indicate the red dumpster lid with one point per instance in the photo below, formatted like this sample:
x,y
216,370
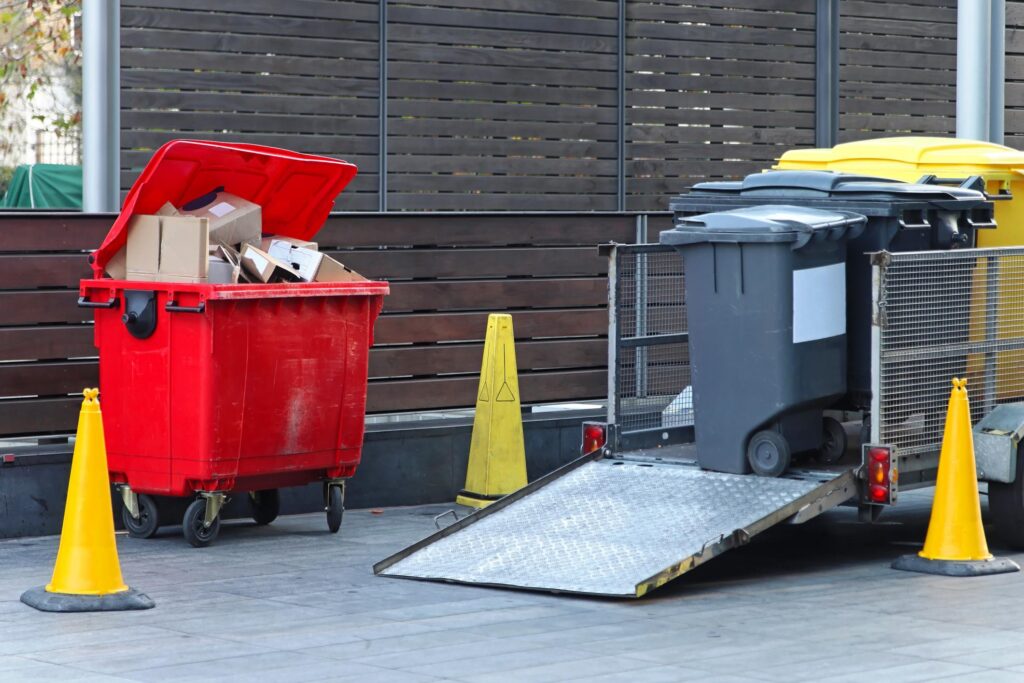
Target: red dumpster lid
x,y
296,191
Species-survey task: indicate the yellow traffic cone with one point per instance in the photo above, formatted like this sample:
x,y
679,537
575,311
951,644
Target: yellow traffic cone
x,y
87,574
955,544
497,457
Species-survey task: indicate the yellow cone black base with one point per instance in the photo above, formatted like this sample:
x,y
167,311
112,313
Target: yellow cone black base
x,y
916,563
46,601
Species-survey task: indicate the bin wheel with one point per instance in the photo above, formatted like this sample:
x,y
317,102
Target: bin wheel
x,y
147,523
266,505
768,453
1006,508
833,442
335,507
196,533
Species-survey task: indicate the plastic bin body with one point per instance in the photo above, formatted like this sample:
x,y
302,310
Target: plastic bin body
x,y
910,158
900,217
239,386
765,298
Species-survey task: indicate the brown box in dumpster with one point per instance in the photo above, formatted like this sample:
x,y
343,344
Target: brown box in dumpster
x,y
233,220
184,249
265,268
267,242
333,271
142,253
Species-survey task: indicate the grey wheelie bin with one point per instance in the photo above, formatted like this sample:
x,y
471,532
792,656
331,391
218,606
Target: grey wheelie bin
x,y
900,217
766,303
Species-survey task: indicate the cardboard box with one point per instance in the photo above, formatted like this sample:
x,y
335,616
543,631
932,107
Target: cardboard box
x,y
267,242
180,278
333,271
142,252
220,272
303,261
184,247
233,220
117,266
265,268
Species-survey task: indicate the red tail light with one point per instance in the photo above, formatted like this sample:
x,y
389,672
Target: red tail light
x,y
594,437
881,474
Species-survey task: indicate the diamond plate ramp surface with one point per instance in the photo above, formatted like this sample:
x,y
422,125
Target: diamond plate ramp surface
x,y
608,527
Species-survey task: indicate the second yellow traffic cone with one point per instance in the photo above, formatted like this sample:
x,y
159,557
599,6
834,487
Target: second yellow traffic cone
x,y
87,573
955,544
497,457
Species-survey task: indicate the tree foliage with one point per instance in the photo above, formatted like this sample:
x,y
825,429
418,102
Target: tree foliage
x,y
39,63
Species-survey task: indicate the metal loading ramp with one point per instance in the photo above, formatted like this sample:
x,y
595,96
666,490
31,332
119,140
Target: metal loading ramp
x,y
614,527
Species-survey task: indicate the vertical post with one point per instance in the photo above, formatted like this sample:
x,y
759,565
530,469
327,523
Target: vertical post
x,y
997,77
826,73
988,400
973,68
101,105
620,147
382,106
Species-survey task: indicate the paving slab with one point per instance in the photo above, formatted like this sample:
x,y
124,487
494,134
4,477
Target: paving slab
x,y
291,602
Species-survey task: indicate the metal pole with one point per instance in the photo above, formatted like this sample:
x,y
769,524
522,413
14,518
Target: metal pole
x,y
973,68
997,77
620,147
826,73
101,105
382,106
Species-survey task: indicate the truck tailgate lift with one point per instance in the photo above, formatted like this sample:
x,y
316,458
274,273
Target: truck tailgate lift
x,y
614,526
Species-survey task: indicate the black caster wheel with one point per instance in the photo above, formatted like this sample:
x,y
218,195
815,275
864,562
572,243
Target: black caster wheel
x,y
147,523
266,505
768,453
335,506
833,441
196,533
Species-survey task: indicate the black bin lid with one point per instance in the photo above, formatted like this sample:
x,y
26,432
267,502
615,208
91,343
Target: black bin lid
x,y
779,223
832,186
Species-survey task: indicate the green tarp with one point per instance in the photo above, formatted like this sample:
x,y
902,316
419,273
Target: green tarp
x,y
44,186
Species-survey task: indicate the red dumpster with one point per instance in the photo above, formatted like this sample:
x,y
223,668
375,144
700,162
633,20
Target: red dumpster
x,y
237,387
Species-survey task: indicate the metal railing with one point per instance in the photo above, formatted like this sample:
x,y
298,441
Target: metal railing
x,y
939,315
649,363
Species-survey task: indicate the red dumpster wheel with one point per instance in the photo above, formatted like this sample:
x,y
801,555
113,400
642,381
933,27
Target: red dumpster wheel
x,y
196,533
335,506
148,522
266,505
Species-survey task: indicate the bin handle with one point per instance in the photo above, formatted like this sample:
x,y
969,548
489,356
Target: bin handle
x,y
175,308
85,303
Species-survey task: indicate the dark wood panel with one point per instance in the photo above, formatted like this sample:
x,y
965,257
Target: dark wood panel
x,y
481,17
25,417
225,62
401,395
426,201
24,231
313,9
260,24
41,306
453,327
389,264
337,46
47,379
446,359
46,342
28,271
496,295
412,229
250,123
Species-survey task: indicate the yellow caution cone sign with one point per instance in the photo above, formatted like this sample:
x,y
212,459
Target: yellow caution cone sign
x,y
87,574
497,457
955,544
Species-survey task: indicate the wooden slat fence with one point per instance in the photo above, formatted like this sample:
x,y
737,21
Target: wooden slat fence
x,y
446,272
515,105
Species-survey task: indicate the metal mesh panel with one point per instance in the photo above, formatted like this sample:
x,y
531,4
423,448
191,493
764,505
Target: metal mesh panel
x,y
652,365
942,315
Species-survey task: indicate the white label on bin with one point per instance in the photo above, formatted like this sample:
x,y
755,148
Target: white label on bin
x,y
819,303
221,210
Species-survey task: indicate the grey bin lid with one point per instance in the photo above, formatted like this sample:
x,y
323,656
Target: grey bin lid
x,y
835,185
778,223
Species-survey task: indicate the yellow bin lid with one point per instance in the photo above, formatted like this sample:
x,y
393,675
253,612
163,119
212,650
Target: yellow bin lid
x,y
912,157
